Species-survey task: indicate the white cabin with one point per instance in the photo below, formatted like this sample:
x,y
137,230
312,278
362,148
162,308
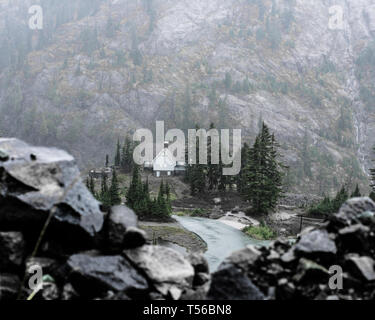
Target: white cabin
x,y
164,163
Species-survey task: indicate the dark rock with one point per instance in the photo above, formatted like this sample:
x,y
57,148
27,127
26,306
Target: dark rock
x,y
50,291
195,294
316,242
163,266
48,265
354,238
110,295
119,220
68,293
12,247
199,262
362,267
352,210
134,238
30,189
232,284
201,278
9,285
94,275
310,272
243,259
285,290
289,256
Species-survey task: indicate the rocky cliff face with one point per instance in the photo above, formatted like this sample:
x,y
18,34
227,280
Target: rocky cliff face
x,y
98,70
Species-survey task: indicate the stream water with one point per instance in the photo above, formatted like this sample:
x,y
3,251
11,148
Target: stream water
x,y
221,239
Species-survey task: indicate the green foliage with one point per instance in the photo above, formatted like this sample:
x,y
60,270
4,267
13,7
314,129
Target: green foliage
x,y
262,232
329,206
203,177
263,173
356,193
104,195
138,198
114,193
118,154
126,160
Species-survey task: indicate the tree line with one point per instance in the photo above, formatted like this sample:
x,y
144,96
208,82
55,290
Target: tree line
x,y
260,180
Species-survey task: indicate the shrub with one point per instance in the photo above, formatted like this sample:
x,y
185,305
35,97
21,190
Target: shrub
x,y
262,232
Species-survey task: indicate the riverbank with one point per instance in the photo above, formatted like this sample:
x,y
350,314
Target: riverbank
x,y
173,235
222,239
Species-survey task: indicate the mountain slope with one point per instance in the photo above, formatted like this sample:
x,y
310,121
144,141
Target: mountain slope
x,y
100,69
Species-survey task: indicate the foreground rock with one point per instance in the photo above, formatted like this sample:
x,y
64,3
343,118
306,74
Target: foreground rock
x,y
12,247
36,180
85,254
302,271
168,269
92,276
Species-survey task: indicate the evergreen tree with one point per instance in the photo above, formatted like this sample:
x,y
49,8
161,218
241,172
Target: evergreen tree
x,y
118,154
356,193
92,186
114,193
263,173
135,191
213,173
241,178
127,156
197,174
104,192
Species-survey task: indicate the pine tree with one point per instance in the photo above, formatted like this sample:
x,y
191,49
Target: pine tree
x,y
127,156
356,193
118,154
241,179
92,186
135,191
263,173
197,175
213,173
104,192
114,193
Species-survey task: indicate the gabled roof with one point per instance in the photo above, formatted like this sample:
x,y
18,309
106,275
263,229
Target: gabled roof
x,y
164,161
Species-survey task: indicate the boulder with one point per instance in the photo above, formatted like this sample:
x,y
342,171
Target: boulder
x,y
163,266
12,250
134,238
92,275
36,180
119,220
68,293
243,259
354,211
231,283
362,267
310,272
317,242
354,238
9,285
199,262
